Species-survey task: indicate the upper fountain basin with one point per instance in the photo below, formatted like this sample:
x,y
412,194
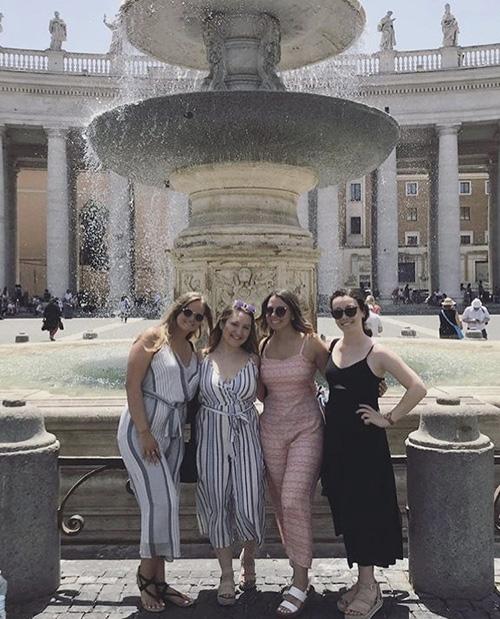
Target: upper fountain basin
x,y
339,139
171,30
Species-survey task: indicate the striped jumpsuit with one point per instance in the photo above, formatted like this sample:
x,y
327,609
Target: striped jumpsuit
x,y
166,388
230,494
291,429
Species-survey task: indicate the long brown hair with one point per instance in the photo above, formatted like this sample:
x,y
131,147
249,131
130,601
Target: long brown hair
x,y
250,345
360,300
168,321
298,321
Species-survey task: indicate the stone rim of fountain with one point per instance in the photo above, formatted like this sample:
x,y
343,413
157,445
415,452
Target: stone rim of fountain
x,y
310,32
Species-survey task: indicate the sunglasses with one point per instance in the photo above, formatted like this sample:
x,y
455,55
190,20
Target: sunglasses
x,y
189,312
278,311
246,307
349,311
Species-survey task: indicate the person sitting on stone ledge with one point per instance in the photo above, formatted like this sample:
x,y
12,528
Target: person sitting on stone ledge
x,y
162,376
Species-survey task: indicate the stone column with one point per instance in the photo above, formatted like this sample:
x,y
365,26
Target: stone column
x,y
433,234
330,269
386,249
494,220
448,211
450,490
29,482
119,239
4,243
58,213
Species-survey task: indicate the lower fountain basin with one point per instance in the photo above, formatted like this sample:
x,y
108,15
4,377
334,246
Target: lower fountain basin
x,y
337,138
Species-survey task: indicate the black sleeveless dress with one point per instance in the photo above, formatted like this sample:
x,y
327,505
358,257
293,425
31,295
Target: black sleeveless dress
x,y
357,475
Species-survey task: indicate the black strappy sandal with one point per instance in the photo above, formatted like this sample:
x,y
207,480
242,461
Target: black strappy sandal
x,y
144,584
174,597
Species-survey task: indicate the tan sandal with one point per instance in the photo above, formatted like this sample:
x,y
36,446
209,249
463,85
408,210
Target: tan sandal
x,y
362,606
347,596
226,593
292,608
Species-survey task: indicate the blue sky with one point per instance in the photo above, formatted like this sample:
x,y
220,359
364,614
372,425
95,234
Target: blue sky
x,y
417,27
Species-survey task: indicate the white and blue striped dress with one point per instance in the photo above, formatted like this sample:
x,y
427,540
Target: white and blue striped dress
x,y
230,493
167,387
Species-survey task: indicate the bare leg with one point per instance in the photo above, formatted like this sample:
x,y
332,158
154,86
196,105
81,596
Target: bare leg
x,y
225,593
247,572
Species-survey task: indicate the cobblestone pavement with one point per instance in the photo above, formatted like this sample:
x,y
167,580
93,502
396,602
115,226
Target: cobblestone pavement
x,y
102,589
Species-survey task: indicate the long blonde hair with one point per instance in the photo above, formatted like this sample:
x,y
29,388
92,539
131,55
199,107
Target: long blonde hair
x,y
168,321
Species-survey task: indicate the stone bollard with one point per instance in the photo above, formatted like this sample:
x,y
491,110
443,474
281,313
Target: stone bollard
x,y
29,494
89,335
408,332
450,500
22,338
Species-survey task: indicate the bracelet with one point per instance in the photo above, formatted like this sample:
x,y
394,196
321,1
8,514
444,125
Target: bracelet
x,y
388,417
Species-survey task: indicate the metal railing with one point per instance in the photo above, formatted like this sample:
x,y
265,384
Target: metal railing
x,y
74,524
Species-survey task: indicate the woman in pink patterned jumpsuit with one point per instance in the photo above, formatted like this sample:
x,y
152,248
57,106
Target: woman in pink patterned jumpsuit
x,y
291,432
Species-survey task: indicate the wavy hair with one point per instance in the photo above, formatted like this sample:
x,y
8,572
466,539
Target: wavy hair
x,y
360,300
298,321
168,321
250,345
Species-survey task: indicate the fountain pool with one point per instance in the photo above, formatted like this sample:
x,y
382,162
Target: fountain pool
x,y
98,368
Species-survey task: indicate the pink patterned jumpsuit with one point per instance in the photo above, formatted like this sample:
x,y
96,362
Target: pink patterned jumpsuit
x,y
291,429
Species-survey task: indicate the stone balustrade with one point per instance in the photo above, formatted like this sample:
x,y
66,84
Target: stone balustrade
x,y
45,61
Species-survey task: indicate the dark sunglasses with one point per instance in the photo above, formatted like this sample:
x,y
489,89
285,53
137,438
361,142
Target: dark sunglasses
x,y
189,312
349,311
278,311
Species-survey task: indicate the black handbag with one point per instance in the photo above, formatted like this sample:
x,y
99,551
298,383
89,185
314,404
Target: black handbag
x,y
189,472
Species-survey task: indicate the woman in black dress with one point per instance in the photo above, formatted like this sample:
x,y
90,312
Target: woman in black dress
x,y
357,475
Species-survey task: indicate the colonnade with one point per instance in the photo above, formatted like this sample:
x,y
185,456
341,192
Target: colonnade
x,y
444,229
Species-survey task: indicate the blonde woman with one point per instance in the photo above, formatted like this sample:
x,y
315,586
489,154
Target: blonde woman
x,y
162,376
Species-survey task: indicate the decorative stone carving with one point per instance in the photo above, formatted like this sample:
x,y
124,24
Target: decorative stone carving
x,y
214,43
386,27
449,26
58,32
270,53
116,45
191,281
251,284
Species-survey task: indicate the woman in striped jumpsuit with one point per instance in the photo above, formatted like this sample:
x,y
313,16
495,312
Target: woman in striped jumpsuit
x,y
162,376
230,494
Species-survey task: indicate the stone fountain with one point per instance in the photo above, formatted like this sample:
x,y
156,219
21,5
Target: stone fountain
x,y
243,148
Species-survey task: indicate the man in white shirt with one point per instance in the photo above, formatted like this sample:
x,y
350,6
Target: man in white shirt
x,y
476,317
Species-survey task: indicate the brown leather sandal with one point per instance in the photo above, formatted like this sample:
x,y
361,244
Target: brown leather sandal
x,y
362,606
148,585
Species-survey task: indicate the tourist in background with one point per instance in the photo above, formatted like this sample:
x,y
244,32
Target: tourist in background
x,y
291,431
124,308
52,318
476,317
450,325
357,475
374,323
230,495
162,376
372,304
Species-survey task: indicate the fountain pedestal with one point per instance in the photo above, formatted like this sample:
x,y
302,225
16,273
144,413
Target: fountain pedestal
x,y
244,238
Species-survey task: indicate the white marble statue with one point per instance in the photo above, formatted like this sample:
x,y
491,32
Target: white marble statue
x,y
386,27
1,26
116,45
58,32
449,26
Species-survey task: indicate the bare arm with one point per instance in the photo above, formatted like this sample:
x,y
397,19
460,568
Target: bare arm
x,y
317,351
139,360
383,361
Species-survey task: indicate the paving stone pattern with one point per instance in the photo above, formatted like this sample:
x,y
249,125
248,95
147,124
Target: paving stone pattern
x,y
105,589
